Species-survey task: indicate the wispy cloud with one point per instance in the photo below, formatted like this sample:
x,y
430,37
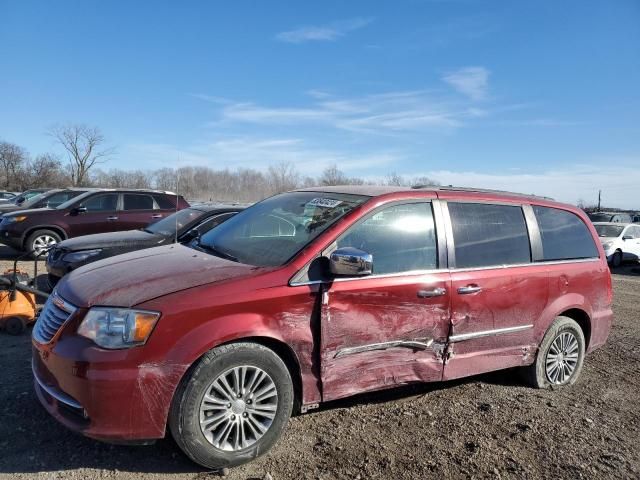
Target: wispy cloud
x,y
323,33
260,152
385,113
470,81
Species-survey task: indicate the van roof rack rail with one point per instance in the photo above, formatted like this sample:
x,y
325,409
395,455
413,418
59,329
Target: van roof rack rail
x,y
451,188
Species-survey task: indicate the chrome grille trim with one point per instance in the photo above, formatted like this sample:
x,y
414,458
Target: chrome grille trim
x,y
54,315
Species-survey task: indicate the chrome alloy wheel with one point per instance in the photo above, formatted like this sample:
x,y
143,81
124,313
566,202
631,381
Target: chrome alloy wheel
x,y
238,408
562,358
42,243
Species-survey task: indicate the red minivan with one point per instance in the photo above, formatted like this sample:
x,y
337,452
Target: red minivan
x,y
314,295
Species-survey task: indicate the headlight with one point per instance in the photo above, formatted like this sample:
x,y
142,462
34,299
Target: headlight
x,y
115,328
607,245
19,218
80,256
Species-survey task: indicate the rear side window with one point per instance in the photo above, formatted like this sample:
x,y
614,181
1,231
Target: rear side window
x,y
164,202
137,202
489,235
400,238
101,203
564,235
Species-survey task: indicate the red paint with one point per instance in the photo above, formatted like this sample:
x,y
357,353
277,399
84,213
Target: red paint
x,y
207,301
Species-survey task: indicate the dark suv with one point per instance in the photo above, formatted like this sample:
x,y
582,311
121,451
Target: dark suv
x,y
95,211
49,199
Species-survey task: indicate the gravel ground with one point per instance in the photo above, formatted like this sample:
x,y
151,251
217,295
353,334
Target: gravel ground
x,y
488,426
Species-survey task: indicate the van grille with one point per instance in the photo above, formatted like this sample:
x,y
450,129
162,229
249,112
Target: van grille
x,y
53,315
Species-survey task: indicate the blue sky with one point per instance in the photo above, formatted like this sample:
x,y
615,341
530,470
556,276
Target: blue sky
x,y
540,97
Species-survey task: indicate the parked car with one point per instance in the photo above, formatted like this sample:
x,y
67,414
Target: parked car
x,y
180,226
620,241
95,211
612,217
27,194
636,218
314,295
6,196
49,199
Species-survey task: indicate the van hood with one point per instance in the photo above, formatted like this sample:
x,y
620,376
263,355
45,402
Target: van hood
x,y
127,238
136,277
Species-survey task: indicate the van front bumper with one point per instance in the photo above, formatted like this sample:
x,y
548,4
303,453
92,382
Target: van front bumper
x,y
100,393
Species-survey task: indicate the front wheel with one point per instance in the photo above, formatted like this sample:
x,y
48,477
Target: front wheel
x,y
40,241
233,405
560,356
616,260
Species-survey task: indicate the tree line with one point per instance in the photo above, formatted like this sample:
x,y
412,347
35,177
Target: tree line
x,y
86,157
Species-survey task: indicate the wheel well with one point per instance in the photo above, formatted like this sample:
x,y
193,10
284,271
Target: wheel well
x,y
581,317
30,232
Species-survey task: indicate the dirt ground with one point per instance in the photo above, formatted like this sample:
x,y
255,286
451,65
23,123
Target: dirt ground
x,y
489,426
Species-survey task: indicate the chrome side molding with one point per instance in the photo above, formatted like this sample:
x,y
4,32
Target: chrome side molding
x,y
461,337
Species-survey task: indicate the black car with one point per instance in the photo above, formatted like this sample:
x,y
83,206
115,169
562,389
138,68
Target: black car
x,y
183,225
27,194
49,199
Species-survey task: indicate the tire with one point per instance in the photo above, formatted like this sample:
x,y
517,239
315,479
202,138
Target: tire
x,y
41,239
14,326
189,408
616,260
563,329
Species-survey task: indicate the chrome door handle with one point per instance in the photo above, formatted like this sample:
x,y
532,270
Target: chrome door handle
x,y
156,216
436,292
469,289
112,218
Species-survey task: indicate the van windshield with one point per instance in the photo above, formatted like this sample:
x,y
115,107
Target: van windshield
x,y
272,231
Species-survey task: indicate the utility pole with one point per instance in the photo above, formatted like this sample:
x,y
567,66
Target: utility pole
x,y
599,195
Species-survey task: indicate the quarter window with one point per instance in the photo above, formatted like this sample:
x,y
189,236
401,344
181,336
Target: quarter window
x,y
400,238
564,235
137,202
489,235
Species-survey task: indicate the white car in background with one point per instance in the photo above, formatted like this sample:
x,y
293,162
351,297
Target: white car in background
x,y
621,241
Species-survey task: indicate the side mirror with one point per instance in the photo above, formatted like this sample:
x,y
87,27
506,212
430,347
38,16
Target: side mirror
x,y
351,261
78,210
627,237
190,235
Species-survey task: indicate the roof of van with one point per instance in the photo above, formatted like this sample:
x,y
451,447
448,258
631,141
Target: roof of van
x,y
377,190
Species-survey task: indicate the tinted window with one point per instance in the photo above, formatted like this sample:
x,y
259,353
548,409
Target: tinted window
x,y
214,221
164,202
487,235
137,202
564,235
101,203
608,230
400,238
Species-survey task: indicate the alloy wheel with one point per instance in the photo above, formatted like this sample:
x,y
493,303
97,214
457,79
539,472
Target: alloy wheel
x,y
562,358
238,408
42,243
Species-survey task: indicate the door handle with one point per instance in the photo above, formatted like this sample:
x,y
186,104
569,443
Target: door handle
x,y
469,289
112,218
158,215
436,292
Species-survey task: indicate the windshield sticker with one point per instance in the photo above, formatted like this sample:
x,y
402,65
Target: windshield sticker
x,y
324,203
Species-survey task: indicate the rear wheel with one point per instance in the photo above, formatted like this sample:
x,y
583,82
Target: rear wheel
x,y
233,406
560,356
40,241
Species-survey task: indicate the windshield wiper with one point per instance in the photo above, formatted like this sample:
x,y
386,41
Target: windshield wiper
x,y
216,251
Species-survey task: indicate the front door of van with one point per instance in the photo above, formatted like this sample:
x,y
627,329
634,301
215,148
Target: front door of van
x,y
497,295
388,328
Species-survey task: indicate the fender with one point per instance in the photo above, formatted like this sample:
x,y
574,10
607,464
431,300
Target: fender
x,y
561,304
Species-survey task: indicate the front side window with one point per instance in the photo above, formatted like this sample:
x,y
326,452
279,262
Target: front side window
x,y
271,232
101,203
488,235
401,238
59,198
564,235
137,202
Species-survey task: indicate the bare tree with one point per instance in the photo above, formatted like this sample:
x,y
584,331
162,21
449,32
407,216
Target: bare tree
x,y
424,182
82,144
43,171
333,176
12,158
395,180
282,177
